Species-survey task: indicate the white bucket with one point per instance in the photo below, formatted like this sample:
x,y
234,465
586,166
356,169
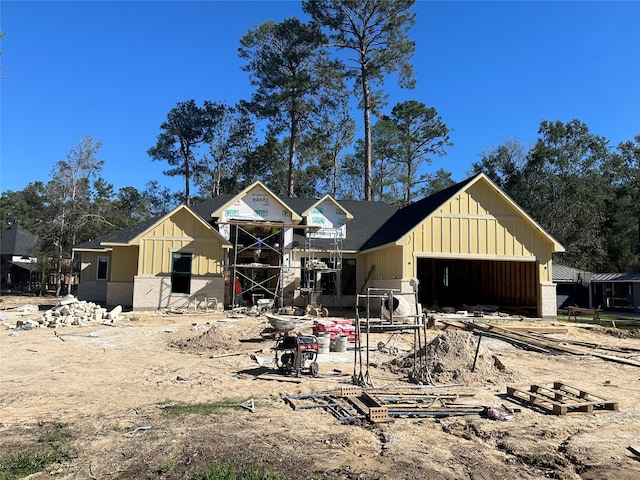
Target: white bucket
x,y
324,342
340,343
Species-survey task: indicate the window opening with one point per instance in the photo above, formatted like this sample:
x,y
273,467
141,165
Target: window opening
x,y
103,268
181,272
349,276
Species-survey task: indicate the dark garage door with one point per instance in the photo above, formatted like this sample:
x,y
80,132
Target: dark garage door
x,y
512,286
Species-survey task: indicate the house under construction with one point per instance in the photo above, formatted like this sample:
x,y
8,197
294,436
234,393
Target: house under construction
x,y
292,255
467,244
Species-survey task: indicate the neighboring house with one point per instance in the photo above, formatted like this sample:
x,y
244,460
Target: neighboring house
x,y
468,244
616,291
18,269
607,291
572,286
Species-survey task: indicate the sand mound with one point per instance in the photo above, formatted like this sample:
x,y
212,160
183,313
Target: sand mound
x,y
449,358
213,341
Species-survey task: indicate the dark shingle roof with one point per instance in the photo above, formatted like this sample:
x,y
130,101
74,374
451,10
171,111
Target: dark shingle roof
x,y
126,234
367,218
123,235
16,240
205,208
410,216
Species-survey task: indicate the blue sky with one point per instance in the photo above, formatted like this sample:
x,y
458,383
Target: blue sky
x,y
113,70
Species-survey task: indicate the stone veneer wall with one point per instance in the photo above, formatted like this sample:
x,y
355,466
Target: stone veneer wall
x,y
549,304
120,293
153,293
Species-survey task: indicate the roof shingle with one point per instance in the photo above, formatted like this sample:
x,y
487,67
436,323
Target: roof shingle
x,y
16,240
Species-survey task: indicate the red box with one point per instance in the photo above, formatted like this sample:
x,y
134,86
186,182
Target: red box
x,y
333,328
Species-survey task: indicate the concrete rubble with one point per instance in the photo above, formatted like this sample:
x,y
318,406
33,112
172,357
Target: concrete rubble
x,y
69,311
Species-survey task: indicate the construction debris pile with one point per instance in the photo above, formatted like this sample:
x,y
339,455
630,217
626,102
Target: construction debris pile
x,y
68,311
213,340
456,357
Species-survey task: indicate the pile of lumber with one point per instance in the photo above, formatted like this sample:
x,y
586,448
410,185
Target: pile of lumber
x,y
537,343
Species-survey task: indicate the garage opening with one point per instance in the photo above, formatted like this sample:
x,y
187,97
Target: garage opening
x,y
511,286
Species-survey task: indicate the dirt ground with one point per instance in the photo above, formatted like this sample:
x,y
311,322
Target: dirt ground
x,y
113,385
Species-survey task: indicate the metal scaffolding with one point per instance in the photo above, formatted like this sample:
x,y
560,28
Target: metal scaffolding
x,y
317,270
386,301
264,277
260,280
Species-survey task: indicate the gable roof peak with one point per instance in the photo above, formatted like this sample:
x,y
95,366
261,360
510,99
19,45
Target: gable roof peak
x,y
219,212
328,197
408,217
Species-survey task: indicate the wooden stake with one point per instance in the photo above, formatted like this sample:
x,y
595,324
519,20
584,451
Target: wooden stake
x,y
473,369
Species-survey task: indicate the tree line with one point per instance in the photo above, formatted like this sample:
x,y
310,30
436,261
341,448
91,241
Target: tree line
x,y
304,76
581,190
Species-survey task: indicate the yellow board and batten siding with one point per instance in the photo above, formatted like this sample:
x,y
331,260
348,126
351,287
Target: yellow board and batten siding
x,y
388,262
476,224
126,266
181,232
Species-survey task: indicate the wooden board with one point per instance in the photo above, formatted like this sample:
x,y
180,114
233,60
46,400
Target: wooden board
x,y
537,329
380,406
